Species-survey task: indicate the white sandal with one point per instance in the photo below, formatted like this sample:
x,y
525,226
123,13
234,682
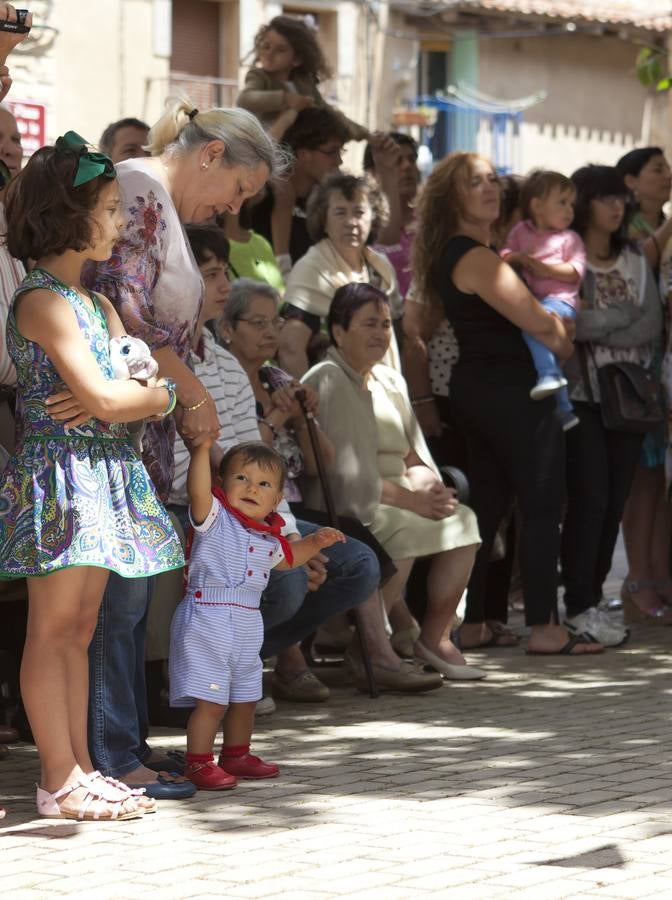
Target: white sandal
x,y
147,804
47,804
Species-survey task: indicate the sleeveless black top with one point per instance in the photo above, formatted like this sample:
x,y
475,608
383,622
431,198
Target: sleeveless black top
x,y
491,347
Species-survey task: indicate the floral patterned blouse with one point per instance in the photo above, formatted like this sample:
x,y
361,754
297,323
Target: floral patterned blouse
x,y
154,283
285,442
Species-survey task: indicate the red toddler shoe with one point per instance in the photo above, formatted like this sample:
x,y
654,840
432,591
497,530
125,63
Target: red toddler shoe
x,y
200,769
238,761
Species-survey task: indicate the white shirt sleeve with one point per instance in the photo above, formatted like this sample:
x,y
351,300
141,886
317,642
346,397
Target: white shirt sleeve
x,y
278,555
210,519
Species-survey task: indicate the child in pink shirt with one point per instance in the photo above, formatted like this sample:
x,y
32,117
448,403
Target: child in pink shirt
x,y
552,260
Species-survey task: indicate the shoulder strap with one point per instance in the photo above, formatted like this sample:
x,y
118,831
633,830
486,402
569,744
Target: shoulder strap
x,y
38,279
642,278
588,289
582,350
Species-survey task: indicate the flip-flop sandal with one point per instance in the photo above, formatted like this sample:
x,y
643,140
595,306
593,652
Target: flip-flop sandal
x,y
501,635
567,649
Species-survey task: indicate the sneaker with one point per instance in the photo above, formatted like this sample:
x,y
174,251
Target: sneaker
x,y
301,688
610,603
549,384
265,706
569,420
596,624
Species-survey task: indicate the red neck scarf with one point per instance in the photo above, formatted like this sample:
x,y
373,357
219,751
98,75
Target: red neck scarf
x,y
271,525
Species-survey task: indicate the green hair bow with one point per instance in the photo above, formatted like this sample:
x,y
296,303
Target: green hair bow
x,y
91,163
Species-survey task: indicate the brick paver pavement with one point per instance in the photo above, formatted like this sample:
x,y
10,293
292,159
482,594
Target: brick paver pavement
x,y
550,779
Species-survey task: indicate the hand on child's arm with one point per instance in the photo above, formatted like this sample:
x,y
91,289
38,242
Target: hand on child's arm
x,y
64,407
298,101
570,327
515,259
562,271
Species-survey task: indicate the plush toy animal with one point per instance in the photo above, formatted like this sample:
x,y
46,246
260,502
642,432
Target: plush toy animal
x,y
131,358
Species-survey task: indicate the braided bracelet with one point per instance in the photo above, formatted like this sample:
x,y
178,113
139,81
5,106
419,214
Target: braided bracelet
x,y
169,385
196,405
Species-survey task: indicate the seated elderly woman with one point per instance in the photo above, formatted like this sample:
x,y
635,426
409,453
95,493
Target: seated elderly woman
x,y
249,327
341,218
384,474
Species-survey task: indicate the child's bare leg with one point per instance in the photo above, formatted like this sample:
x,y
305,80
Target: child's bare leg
x,y
203,726
51,658
238,724
54,658
78,664
235,757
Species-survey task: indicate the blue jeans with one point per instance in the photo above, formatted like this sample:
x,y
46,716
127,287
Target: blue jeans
x,y
118,717
545,361
290,614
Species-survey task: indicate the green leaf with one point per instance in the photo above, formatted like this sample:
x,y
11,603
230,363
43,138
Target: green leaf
x,y
649,66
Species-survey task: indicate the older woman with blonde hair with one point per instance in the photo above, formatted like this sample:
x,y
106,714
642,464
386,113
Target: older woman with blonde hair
x,y
202,164
343,213
515,444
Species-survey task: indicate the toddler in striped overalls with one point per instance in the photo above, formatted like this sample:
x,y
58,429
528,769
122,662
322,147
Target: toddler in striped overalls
x,y
217,630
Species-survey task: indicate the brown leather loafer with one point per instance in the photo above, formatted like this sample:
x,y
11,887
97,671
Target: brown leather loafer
x,y
408,678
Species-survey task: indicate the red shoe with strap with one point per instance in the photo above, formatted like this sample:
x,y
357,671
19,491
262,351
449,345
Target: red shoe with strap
x,y
239,761
200,768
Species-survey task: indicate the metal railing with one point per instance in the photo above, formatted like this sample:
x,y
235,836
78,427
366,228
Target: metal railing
x,y
205,91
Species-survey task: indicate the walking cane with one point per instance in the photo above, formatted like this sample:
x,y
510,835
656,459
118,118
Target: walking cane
x,y
333,519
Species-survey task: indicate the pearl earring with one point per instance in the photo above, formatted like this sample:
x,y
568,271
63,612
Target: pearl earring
x,y
204,165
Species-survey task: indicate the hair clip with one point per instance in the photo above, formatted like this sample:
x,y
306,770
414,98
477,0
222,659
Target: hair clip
x,y
192,115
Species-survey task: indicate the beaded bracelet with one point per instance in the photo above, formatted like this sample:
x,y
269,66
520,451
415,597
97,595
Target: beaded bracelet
x,y
196,405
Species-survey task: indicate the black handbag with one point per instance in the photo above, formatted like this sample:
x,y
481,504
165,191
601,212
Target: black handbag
x,y
456,479
631,397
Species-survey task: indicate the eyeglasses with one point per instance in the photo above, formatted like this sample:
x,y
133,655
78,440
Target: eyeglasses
x,y
261,323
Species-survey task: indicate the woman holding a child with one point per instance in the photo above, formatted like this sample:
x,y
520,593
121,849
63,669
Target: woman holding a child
x,y
489,308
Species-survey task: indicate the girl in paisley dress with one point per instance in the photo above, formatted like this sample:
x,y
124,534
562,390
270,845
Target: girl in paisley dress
x,y
75,499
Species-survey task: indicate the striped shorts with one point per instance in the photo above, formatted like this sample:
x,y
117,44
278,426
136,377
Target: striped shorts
x,y
214,654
